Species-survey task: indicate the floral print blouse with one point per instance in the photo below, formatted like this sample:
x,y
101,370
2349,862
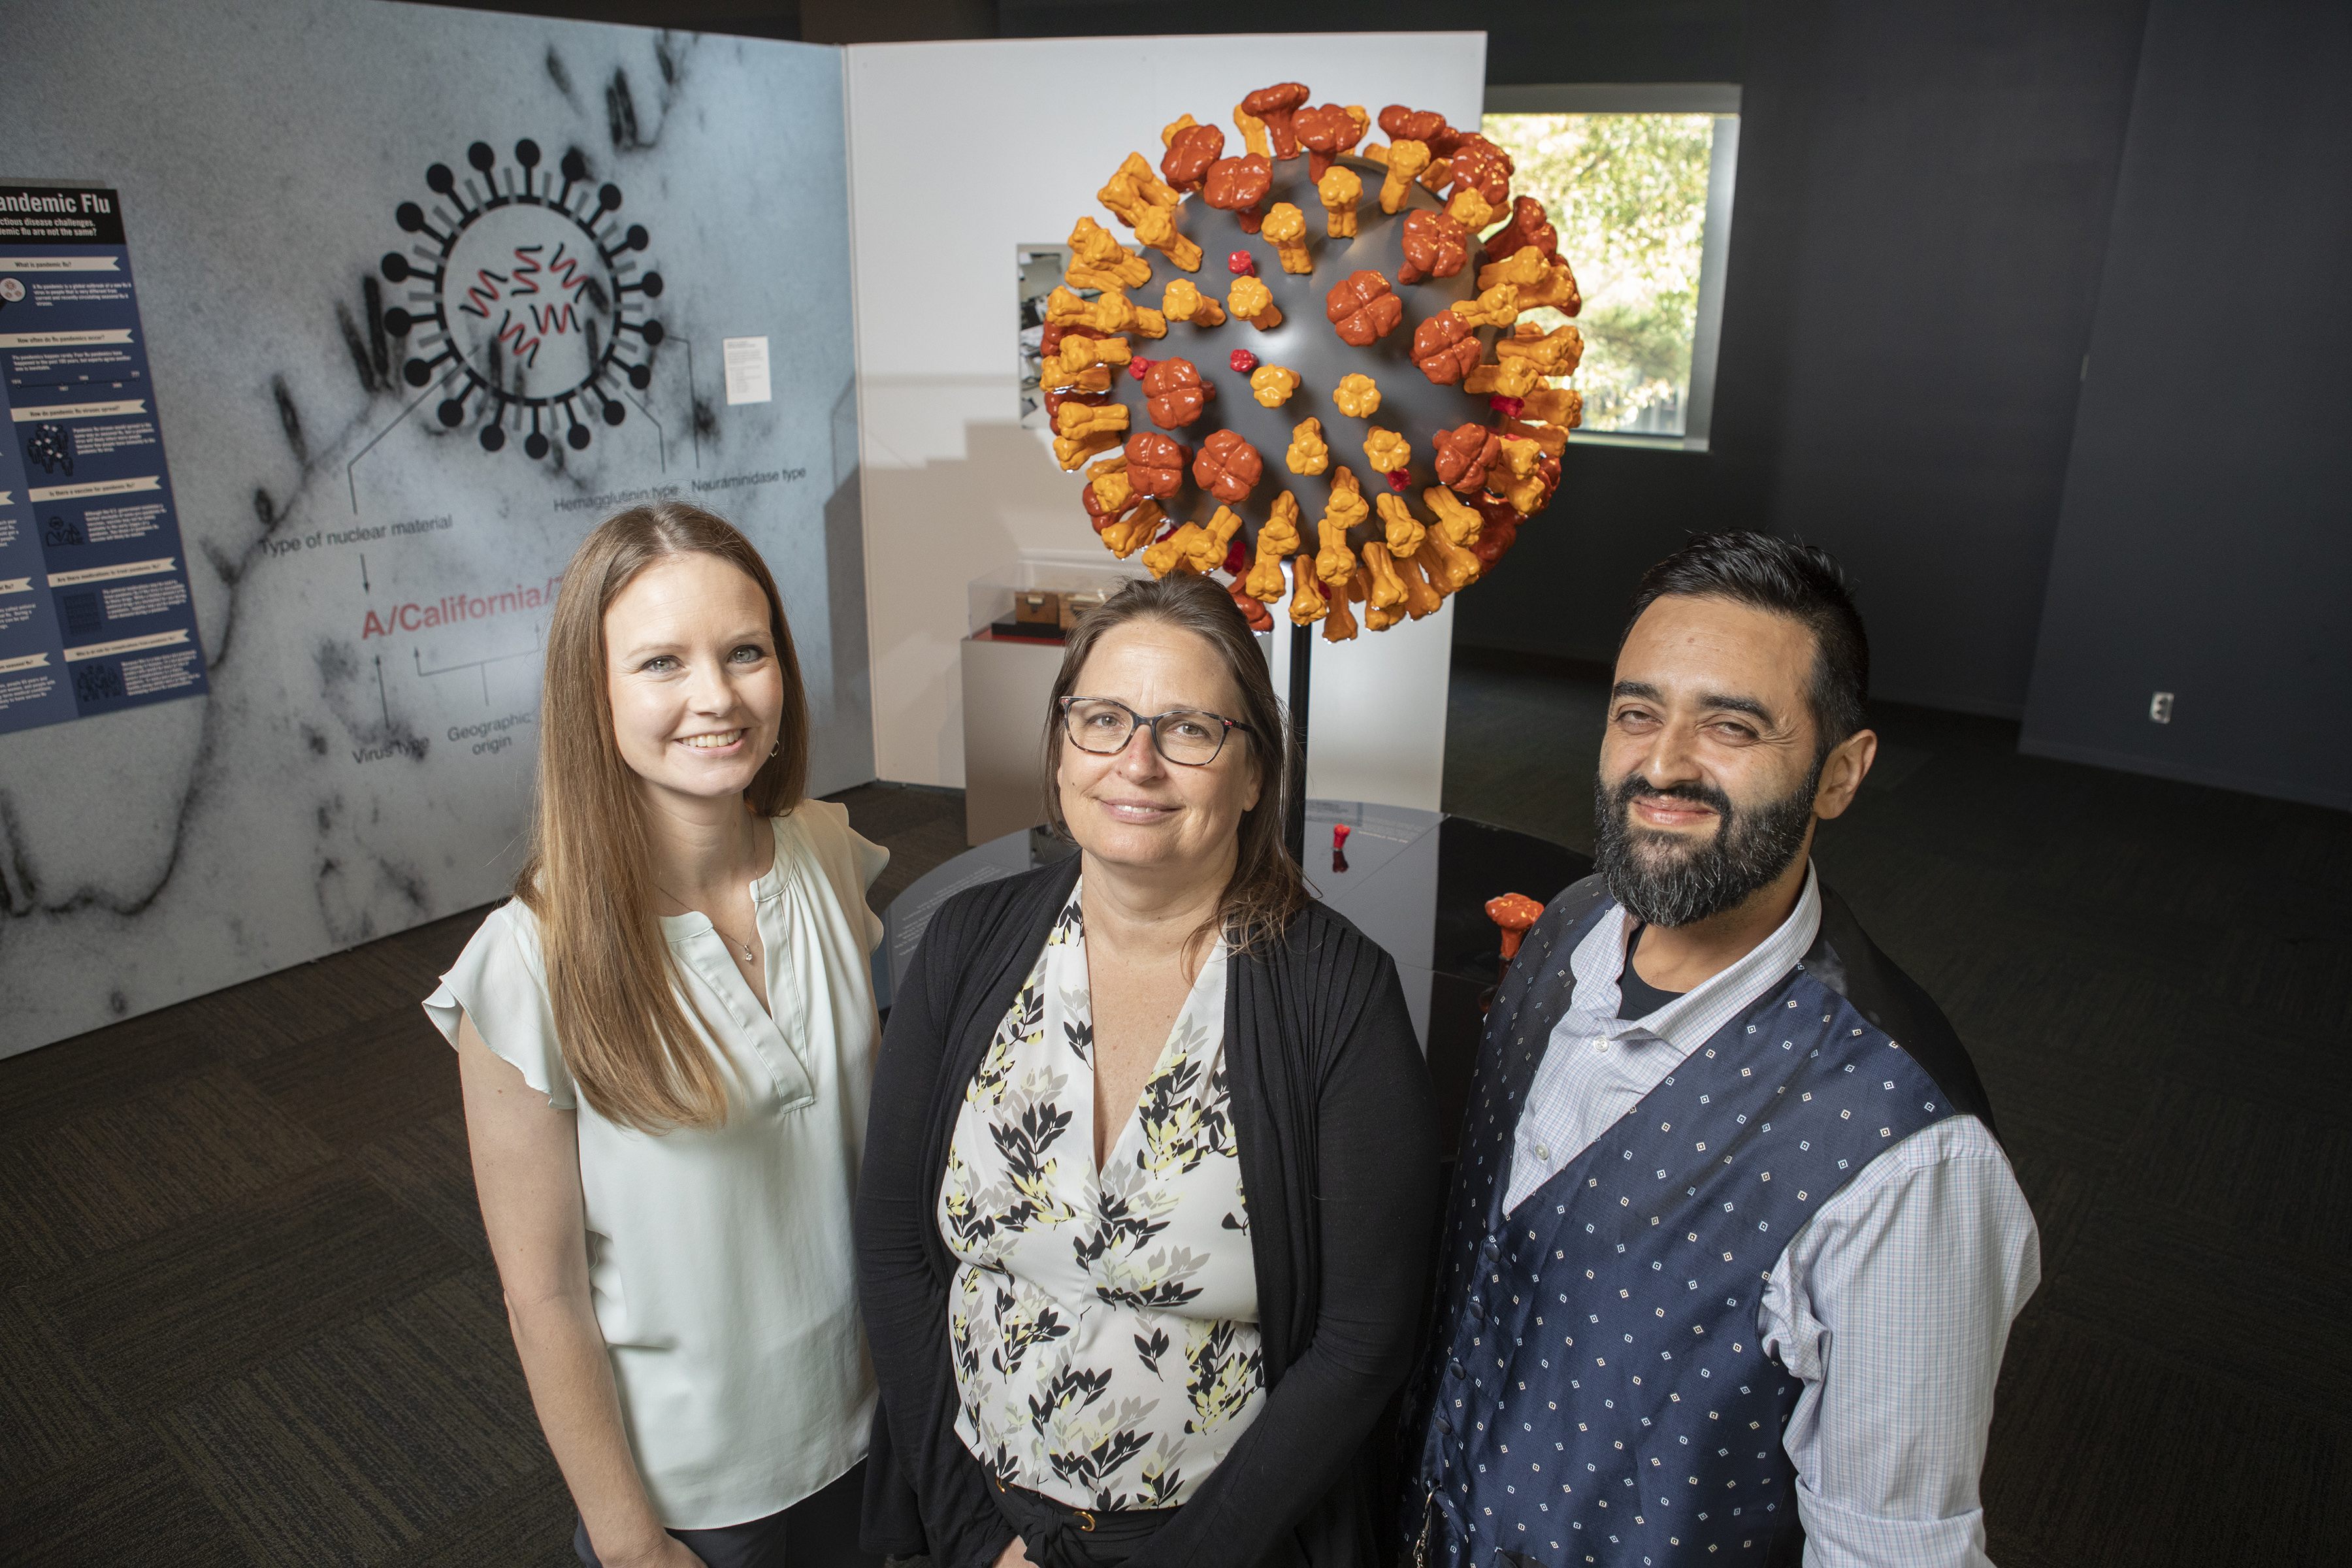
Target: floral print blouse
x,y
1104,1327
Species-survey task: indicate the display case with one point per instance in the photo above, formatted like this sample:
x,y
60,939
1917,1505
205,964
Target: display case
x,y
1038,596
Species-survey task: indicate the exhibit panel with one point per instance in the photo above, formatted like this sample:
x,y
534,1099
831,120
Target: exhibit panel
x,y
954,487
424,294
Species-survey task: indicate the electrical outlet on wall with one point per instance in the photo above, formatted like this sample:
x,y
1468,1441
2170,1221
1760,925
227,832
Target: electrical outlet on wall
x,y
2159,708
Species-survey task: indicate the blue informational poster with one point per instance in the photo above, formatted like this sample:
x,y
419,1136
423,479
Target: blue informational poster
x,y
94,606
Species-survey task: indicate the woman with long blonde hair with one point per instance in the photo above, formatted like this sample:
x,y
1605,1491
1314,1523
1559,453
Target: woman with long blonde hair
x,y
665,1043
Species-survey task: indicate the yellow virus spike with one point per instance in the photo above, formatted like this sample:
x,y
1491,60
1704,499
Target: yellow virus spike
x,y
1275,541
1080,419
1523,267
1173,552
1112,491
1511,378
1285,230
1496,307
1420,599
1309,454
1406,161
1271,386
1405,531
1387,587
1102,261
1562,406
1338,623
1252,302
1556,353
1072,451
1357,396
1183,301
1307,603
1282,524
1520,459
1124,538
1385,450
1335,562
1470,209
1449,567
1157,228
1168,132
1340,190
1252,131
1457,521
1556,288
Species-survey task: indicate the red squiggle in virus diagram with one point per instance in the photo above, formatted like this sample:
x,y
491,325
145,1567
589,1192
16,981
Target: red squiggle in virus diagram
x,y
545,321
457,608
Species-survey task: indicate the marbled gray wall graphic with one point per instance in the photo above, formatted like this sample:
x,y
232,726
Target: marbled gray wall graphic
x,y
370,573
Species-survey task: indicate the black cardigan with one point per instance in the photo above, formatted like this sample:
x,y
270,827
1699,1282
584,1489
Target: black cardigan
x,y
1338,1143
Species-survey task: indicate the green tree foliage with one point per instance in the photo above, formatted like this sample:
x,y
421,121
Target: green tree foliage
x,y
1628,193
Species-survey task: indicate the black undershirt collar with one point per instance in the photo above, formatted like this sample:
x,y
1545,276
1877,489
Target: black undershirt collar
x,y
1636,997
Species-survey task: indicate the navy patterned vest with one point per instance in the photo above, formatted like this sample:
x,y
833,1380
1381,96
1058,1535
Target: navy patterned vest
x,y
1594,1391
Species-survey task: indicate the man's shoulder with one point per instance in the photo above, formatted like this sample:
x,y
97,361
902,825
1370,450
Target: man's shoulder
x,y
1574,908
1845,959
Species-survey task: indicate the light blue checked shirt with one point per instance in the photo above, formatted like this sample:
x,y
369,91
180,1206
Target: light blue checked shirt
x,y
1893,1304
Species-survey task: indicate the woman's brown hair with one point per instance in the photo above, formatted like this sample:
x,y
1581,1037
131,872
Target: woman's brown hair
x,y
625,1034
1266,889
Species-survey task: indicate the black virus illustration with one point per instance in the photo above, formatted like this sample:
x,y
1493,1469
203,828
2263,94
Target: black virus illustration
x,y
529,305
50,446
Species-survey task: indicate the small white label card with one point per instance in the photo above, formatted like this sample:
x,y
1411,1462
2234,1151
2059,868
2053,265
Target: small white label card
x,y
747,369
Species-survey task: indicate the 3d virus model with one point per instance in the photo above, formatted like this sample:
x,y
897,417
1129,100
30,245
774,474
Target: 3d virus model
x,y
1310,362
531,309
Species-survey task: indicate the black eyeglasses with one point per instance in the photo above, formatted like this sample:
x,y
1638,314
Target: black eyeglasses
x,y
1185,736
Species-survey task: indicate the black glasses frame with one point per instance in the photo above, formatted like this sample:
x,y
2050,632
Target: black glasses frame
x,y
1152,721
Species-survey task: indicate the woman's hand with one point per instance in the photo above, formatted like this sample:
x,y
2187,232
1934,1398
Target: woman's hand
x,y
665,1551
1013,1556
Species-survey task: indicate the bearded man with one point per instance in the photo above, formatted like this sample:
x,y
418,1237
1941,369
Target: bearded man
x,y
1732,1252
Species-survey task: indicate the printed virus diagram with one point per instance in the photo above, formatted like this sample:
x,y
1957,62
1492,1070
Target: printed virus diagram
x,y
50,446
530,306
1364,407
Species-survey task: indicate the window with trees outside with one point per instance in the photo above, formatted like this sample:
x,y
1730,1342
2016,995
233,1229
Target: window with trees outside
x,y
1638,182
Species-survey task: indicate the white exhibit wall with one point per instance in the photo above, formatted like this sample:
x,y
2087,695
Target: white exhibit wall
x,y
364,761
958,153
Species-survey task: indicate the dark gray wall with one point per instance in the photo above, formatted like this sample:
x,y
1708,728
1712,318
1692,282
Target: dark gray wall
x,y
1916,244
2205,544
1917,238
1926,219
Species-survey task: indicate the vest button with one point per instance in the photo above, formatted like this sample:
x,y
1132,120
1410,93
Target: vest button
x,y
1443,1425
1453,1366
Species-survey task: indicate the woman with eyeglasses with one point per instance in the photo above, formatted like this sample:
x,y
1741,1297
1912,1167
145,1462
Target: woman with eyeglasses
x,y
1150,1180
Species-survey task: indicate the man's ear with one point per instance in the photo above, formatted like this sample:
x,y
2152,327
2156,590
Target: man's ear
x,y
1842,772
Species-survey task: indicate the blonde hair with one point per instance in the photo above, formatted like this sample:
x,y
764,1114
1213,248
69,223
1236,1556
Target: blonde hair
x,y
626,1037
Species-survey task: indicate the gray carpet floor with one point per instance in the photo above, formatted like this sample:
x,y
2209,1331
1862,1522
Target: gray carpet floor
x,y
250,1318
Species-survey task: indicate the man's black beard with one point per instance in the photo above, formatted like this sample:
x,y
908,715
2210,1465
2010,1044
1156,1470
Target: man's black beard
x,y
1664,882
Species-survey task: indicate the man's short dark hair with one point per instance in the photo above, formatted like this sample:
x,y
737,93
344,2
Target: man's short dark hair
x,y
1781,578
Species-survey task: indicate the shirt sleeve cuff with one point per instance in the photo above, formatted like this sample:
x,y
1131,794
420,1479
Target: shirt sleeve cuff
x,y
1840,1537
